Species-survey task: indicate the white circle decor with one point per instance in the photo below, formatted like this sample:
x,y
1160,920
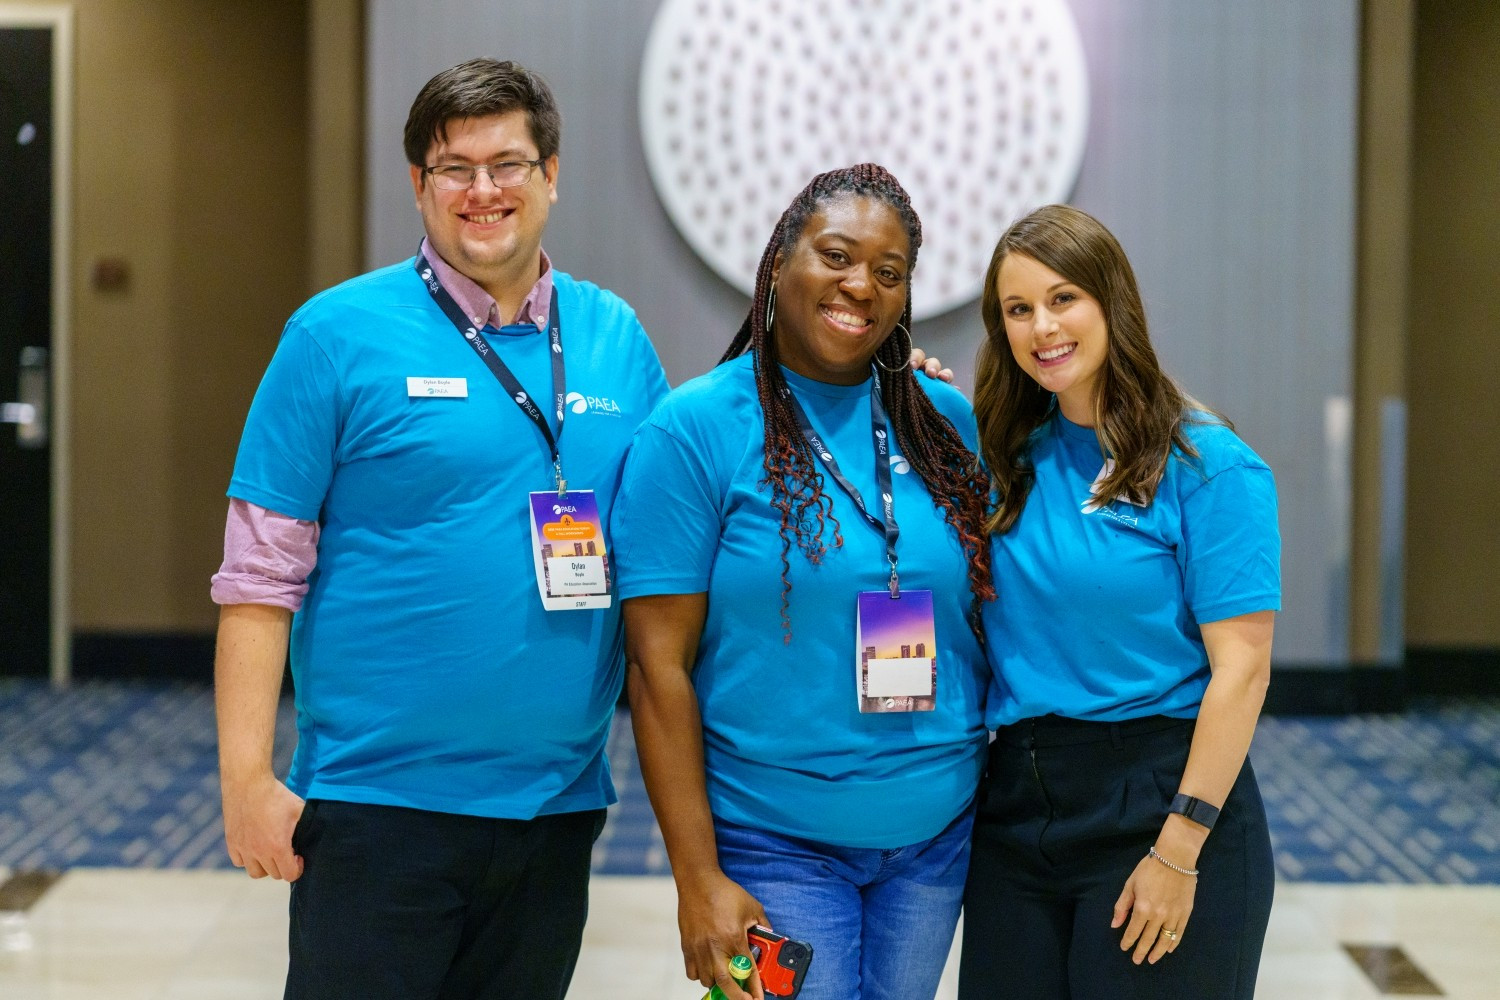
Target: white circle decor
x,y
979,107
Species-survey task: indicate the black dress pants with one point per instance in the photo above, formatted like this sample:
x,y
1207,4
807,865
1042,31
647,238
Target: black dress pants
x,y
1066,811
402,904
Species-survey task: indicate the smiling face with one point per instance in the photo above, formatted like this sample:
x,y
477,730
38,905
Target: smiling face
x,y
492,235
841,289
1057,333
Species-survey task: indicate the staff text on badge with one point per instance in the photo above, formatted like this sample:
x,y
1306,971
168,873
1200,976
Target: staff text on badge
x,y
431,385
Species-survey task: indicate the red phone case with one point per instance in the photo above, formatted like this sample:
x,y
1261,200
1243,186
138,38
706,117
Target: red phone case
x,y
781,961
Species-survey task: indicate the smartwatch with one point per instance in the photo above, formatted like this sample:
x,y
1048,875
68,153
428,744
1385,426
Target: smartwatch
x,y
1197,810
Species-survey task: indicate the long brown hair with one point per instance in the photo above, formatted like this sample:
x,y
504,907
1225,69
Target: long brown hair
x,y
1138,410
928,439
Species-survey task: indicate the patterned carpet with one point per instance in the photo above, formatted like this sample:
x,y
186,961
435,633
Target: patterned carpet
x,y
1385,798
126,775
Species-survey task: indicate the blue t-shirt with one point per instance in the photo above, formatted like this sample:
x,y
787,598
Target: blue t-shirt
x,y
785,746
1098,610
427,673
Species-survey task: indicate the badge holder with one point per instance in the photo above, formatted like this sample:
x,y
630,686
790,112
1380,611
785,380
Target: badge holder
x,y
896,639
567,546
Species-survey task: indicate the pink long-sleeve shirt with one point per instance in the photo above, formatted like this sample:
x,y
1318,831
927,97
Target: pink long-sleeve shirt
x,y
268,556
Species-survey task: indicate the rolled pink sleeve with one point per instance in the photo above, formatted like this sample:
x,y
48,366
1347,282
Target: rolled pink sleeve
x,y
267,557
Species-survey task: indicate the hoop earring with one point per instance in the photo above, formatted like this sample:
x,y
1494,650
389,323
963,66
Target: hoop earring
x,y
770,307
905,356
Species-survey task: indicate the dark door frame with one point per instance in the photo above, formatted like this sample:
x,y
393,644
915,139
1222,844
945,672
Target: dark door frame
x,y
58,17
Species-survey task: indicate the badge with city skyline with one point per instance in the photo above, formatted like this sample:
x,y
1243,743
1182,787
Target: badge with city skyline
x,y
897,644
572,565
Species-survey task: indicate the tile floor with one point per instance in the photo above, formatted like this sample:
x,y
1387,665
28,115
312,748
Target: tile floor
x,y
137,934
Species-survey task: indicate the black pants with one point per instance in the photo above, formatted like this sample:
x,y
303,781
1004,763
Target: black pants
x,y
1067,809
401,904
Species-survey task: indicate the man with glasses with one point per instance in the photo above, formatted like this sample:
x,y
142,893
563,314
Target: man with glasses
x,y
394,488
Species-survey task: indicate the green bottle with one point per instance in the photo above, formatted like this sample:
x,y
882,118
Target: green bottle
x,y
739,970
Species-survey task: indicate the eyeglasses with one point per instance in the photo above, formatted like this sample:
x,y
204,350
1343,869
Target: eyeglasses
x,y
460,177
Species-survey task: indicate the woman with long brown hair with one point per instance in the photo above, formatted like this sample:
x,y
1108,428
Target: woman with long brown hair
x,y
799,542
1136,555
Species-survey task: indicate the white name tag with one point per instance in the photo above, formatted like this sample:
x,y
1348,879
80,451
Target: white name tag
x,y
576,574
426,385
899,677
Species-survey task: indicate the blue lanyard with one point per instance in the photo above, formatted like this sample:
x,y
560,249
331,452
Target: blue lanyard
x,y
879,424
506,377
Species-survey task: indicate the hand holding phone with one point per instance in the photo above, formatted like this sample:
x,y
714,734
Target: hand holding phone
x,y
781,961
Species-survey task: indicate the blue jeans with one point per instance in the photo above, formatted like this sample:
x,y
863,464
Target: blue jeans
x,y
880,920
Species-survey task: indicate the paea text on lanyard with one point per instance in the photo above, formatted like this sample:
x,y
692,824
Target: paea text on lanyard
x,y
878,431
506,377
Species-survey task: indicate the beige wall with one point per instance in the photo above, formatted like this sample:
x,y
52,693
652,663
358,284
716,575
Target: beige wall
x,y
190,154
1453,339
336,141
1383,266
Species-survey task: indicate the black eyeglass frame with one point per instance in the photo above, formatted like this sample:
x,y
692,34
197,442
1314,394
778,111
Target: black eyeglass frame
x,y
489,171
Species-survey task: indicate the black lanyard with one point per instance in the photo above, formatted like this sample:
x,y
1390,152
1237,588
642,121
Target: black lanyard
x,y
880,434
498,368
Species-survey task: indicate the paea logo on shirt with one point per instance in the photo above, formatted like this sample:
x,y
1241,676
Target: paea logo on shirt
x,y
579,402
1121,510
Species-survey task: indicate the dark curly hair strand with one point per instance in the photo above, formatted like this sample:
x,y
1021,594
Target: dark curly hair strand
x,y
929,440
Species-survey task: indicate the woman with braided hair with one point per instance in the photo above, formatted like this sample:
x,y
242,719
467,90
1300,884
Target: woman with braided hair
x,y
799,543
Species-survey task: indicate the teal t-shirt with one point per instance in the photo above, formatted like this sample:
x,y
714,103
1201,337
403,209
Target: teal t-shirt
x,y
785,746
1098,610
427,673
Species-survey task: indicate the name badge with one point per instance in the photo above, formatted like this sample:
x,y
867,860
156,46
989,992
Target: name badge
x,y
896,652
428,385
567,546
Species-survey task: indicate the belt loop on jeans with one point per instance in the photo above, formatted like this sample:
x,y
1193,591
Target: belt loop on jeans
x,y
1116,740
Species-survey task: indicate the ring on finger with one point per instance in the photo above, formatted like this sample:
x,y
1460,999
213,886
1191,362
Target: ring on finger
x,y
1169,935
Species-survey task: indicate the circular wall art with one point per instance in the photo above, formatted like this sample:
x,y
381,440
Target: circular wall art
x,y
979,107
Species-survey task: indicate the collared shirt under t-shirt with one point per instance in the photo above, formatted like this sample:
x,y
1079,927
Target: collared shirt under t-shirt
x,y
427,673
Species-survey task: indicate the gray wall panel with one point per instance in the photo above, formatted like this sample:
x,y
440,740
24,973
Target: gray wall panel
x,y
1221,152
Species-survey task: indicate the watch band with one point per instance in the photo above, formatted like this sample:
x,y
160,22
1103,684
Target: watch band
x,y
1197,810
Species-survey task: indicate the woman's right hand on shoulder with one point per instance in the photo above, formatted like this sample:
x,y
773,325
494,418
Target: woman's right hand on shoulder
x,y
713,914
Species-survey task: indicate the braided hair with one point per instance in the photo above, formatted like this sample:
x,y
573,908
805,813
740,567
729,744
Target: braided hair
x,y
928,439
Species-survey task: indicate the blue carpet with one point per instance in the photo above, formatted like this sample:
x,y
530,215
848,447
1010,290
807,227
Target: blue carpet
x,y
126,775
1385,798
112,774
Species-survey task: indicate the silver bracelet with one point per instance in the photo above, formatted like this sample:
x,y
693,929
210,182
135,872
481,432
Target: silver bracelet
x,y
1190,872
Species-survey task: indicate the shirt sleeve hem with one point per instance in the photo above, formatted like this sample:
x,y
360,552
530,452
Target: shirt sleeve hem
x,y
1268,600
662,587
273,502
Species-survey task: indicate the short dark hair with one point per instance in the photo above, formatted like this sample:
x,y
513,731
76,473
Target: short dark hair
x,y
478,88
